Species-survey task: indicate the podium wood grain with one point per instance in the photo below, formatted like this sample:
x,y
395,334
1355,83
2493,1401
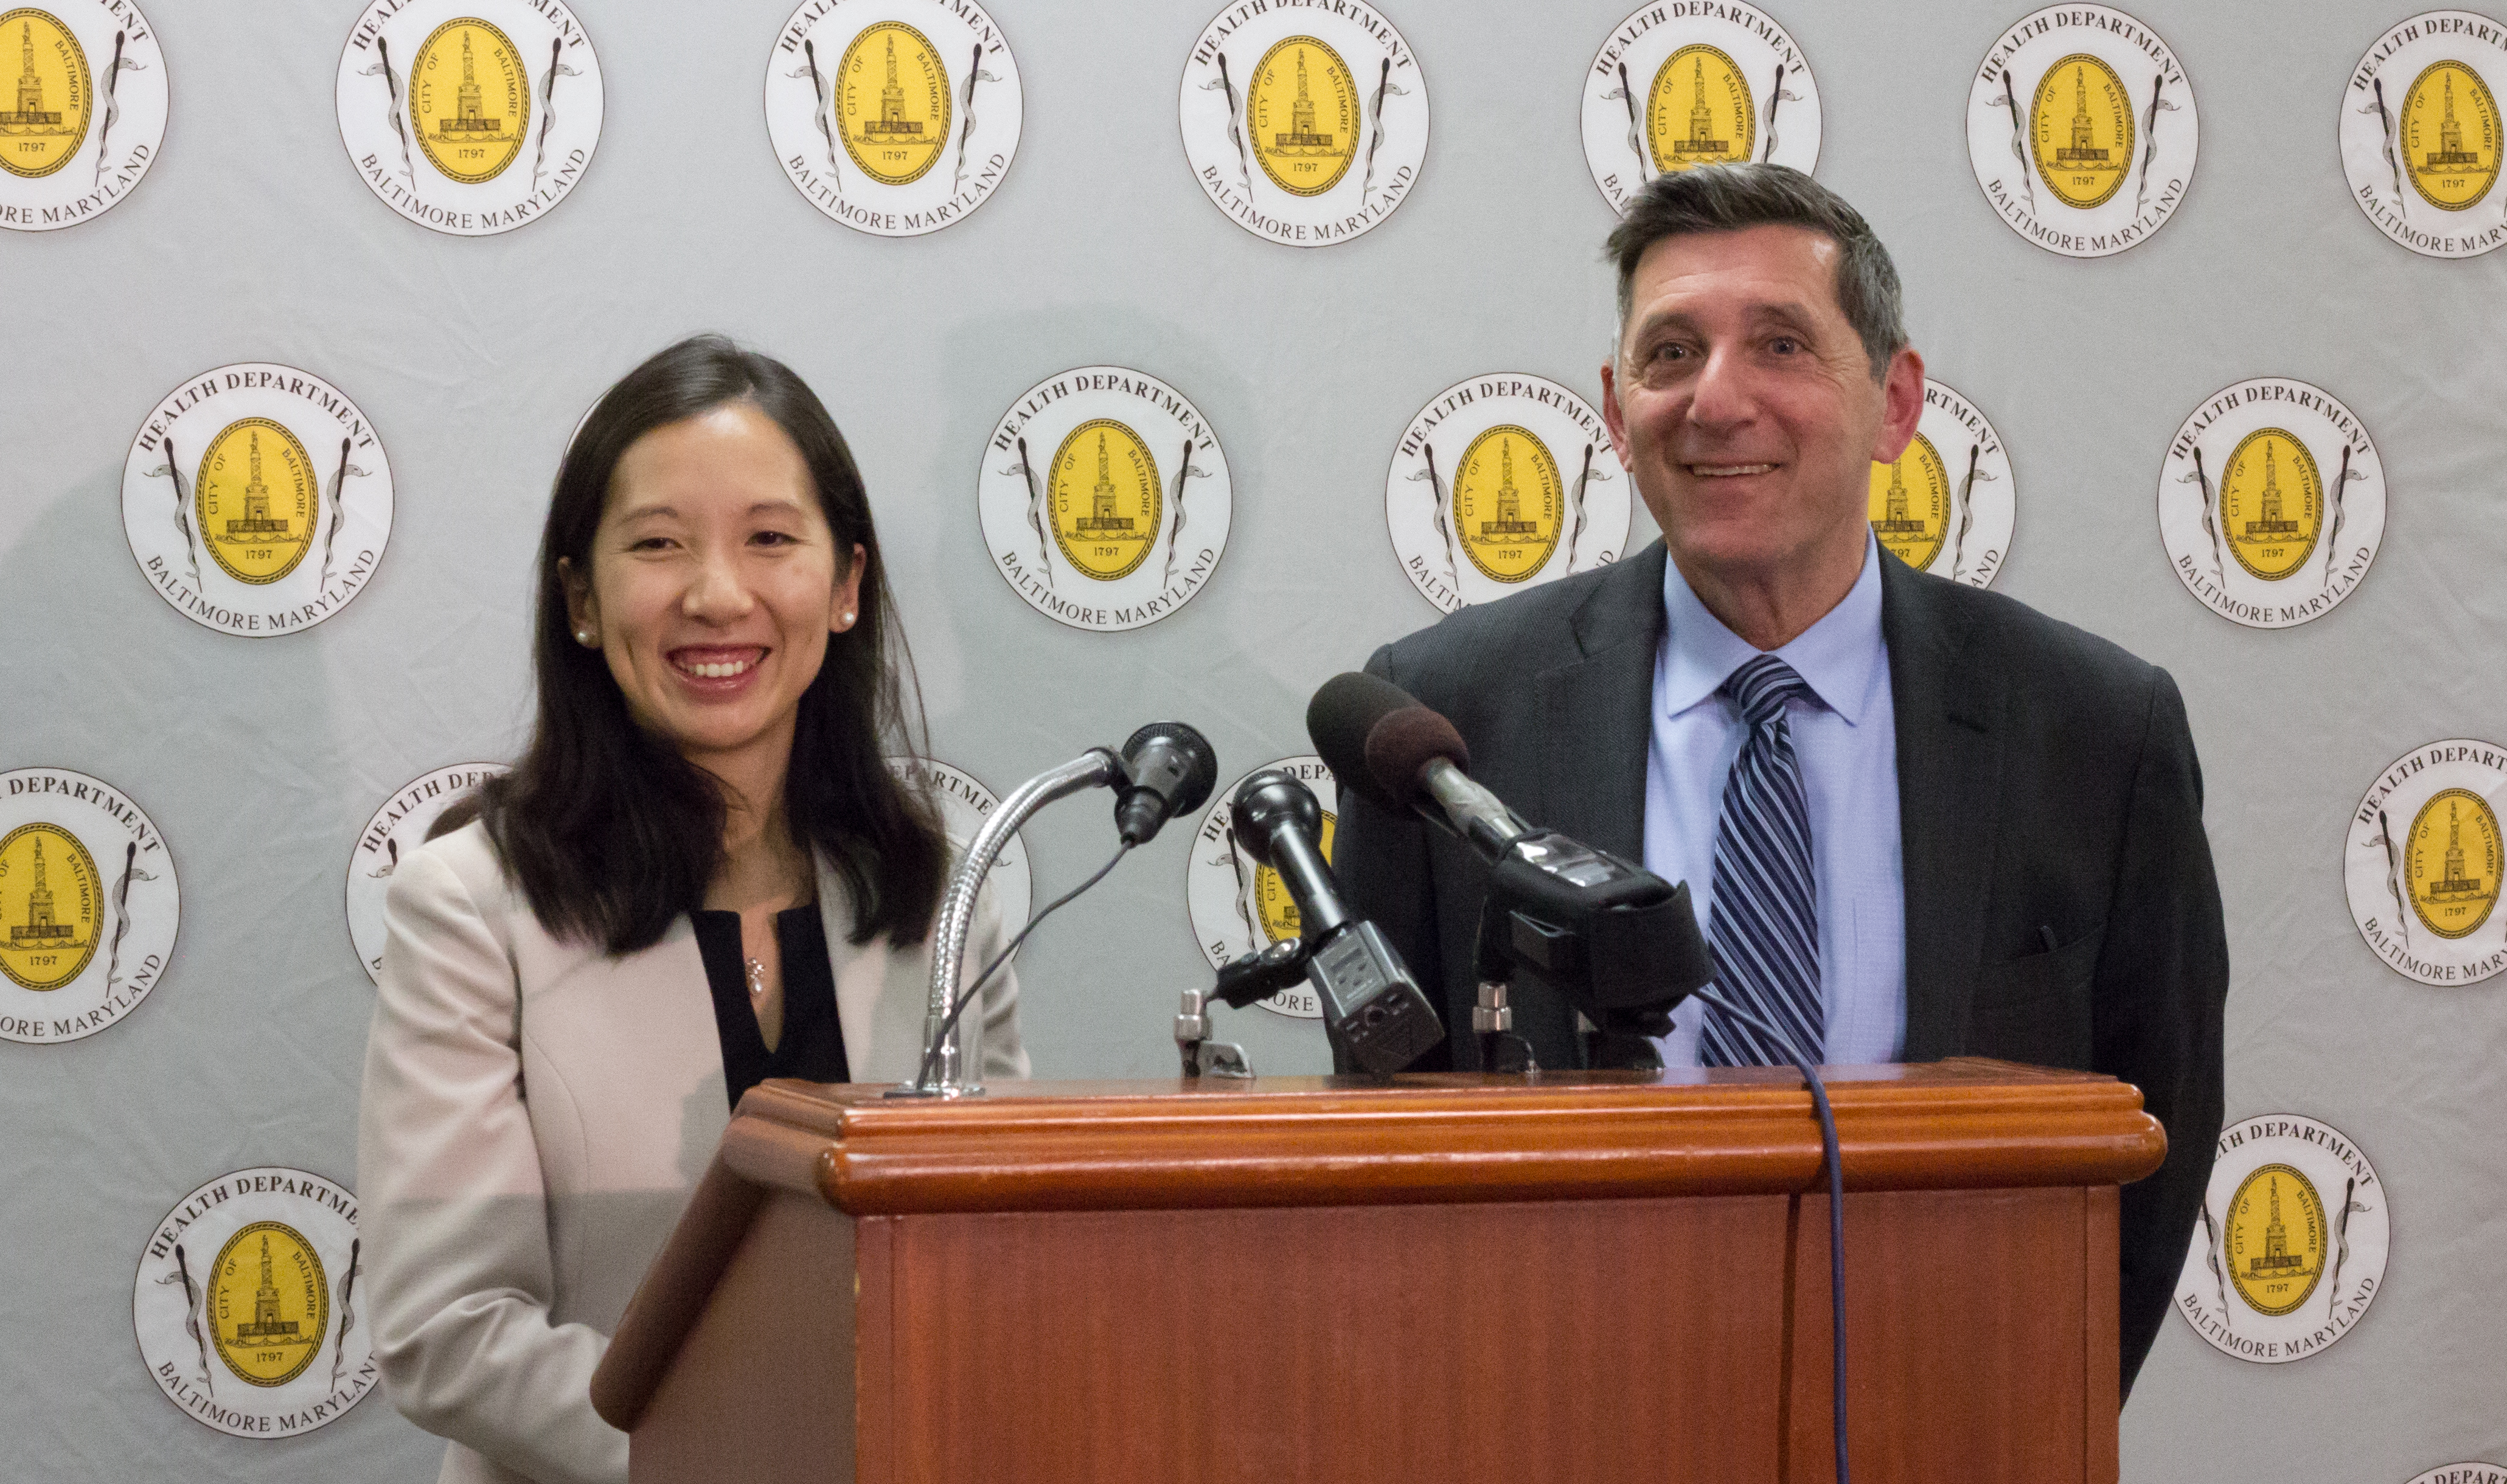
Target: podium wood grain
x,y
1594,1278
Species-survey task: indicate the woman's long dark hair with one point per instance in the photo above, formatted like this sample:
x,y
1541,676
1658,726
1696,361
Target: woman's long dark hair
x,y
608,831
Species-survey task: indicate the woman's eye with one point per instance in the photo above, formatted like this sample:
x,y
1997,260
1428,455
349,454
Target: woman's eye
x,y
651,544
772,539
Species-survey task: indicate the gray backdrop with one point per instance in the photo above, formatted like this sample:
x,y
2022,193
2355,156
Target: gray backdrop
x,y
253,239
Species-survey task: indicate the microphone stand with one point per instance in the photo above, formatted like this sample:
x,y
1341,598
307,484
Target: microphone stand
x,y
956,1071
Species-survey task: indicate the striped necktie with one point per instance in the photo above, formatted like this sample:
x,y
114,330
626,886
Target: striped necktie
x,y
1764,926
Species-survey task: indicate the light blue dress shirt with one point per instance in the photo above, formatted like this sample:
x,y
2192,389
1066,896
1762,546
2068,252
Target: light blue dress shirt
x,y
1847,745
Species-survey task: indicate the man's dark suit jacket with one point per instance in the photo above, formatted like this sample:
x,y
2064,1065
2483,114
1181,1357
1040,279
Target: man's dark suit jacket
x,y
2045,780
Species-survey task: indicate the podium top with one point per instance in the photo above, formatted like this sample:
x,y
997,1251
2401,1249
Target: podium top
x,y
1437,1138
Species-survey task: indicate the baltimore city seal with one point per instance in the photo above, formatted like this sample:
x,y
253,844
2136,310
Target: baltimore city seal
x,y
2272,503
397,828
2291,1247
1104,498
245,1304
896,119
2422,862
86,116
2081,129
1948,504
1502,482
88,905
1679,85
257,499
1305,123
470,117
2420,134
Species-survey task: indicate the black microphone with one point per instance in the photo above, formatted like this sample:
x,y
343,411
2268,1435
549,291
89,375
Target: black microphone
x,y
1400,756
1618,942
1170,769
1374,1010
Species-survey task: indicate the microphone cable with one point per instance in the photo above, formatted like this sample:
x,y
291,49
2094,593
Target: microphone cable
x,y
931,1053
1835,1208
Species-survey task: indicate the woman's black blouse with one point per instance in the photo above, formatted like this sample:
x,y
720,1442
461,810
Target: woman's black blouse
x,y
812,1047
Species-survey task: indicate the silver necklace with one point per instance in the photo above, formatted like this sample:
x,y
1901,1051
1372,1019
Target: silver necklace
x,y
756,979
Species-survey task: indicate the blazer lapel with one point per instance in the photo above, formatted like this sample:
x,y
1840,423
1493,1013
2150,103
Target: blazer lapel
x,y
1597,712
883,1032
1948,711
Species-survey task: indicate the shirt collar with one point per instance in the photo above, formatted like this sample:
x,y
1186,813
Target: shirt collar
x,y
1834,656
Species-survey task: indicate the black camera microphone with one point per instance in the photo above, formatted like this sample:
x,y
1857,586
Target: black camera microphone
x,y
1169,770
1374,1010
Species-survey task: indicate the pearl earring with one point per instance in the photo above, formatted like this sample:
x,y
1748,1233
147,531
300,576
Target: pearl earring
x,y
583,636
849,618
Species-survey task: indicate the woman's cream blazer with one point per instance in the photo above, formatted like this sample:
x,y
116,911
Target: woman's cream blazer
x,y
535,1114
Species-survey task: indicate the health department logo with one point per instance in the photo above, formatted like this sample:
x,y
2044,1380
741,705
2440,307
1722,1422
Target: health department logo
x,y
87,115
397,828
1105,498
965,804
2272,503
469,116
89,905
2420,134
1238,904
2423,862
257,499
1948,504
1304,126
245,1304
1718,85
2292,1246
893,117
1501,482
2464,1473
2081,130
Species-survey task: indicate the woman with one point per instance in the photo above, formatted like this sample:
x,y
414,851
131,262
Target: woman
x,y
700,873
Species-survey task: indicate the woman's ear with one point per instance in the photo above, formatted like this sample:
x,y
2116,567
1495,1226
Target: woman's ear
x,y
847,608
582,609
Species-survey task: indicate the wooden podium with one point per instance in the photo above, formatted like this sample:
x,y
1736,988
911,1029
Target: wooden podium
x,y
1589,1277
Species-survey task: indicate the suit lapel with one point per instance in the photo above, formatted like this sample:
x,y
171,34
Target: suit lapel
x,y
1948,711
1597,712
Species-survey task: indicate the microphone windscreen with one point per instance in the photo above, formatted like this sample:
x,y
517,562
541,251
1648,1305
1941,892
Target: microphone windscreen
x,y
1338,720
1406,741
1375,737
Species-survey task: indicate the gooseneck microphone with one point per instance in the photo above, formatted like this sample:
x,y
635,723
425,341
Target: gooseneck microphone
x,y
1169,770
1374,1013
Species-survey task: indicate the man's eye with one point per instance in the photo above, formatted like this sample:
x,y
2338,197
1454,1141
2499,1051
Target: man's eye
x,y
1784,344
1671,353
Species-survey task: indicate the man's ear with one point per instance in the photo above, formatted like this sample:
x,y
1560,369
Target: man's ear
x,y
1902,392
1613,420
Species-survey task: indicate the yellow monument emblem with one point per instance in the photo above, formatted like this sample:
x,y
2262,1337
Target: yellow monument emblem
x,y
52,906
1104,499
1273,904
1699,111
257,499
1303,106
1508,496
893,102
2081,130
269,1303
1910,504
2272,503
2450,129
2275,1239
2450,862
49,108
470,96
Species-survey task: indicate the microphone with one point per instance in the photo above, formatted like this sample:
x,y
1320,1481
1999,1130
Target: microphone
x,y
1619,943
1169,770
1374,1010
1400,756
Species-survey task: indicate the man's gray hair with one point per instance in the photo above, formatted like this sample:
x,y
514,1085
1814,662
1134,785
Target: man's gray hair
x,y
1728,197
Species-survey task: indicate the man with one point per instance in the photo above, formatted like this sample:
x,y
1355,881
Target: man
x,y
1917,820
